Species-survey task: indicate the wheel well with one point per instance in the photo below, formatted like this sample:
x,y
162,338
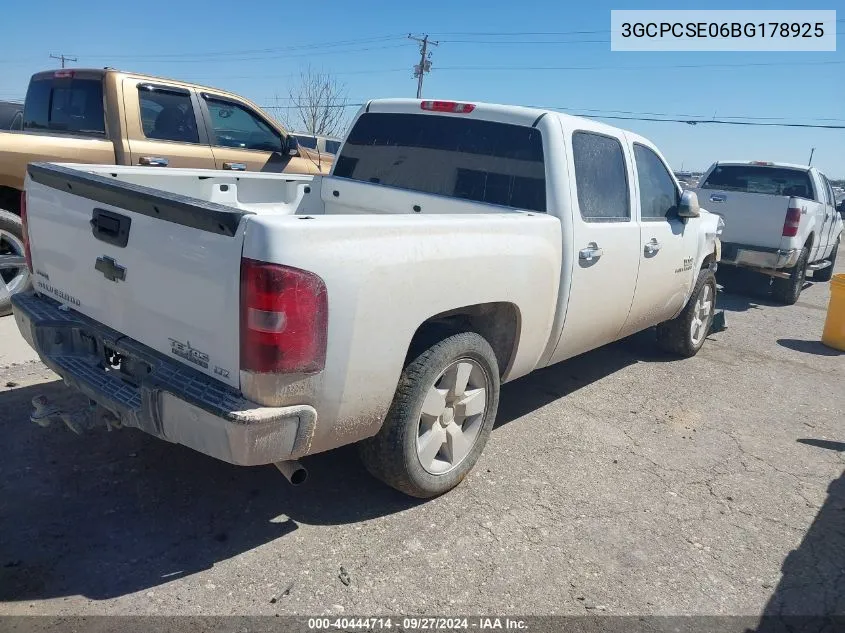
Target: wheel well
x,y
710,259
10,199
497,322
809,242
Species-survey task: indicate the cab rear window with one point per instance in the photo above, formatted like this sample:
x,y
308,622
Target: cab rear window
x,y
469,159
776,181
65,105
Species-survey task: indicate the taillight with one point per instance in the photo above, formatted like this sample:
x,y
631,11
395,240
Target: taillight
x,y
448,106
63,74
284,319
790,224
25,235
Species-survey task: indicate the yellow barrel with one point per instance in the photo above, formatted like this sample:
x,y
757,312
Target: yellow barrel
x,y
834,325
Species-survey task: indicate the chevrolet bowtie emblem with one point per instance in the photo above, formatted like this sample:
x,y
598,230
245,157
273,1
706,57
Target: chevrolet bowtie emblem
x,y
111,269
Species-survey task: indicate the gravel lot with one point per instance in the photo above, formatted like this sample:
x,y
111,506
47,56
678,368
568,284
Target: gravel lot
x,y
621,482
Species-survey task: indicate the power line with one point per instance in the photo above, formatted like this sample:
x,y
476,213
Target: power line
x,y
525,42
655,67
274,56
281,49
703,121
599,114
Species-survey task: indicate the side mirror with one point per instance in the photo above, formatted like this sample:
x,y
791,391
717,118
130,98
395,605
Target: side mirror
x,y
688,206
291,146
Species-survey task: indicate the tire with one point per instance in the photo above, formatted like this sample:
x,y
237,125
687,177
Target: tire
x,y
405,454
826,274
685,334
11,243
787,291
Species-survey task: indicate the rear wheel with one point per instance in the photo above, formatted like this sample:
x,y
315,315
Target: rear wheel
x,y
685,334
788,290
440,418
826,274
14,274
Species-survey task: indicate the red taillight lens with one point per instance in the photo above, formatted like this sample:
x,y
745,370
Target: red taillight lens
x,y
790,224
25,236
448,106
63,74
284,319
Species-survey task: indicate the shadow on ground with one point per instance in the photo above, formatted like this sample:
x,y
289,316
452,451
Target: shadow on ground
x,y
111,513
811,593
809,347
742,290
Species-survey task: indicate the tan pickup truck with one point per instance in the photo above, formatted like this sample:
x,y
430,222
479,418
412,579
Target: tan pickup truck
x,y
108,116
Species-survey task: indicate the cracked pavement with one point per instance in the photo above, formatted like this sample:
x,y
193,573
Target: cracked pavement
x,y
621,482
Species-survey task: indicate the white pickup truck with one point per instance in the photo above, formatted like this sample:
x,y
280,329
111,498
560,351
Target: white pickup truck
x,y
259,318
781,221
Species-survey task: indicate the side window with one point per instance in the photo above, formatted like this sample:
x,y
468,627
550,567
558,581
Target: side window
x,y
235,126
600,178
332,146
167,115
17,122
658,193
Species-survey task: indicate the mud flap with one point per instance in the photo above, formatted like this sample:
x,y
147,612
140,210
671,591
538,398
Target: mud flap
x,y
718,324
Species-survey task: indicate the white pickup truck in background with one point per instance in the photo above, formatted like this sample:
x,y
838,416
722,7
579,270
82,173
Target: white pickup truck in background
x,y
781,221
259,318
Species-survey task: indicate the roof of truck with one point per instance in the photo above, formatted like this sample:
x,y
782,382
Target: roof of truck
x,y
517,115
761,163
128,73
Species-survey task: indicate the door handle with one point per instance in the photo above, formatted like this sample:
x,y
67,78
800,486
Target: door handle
x,y
591,253
153,161
652,246
235,166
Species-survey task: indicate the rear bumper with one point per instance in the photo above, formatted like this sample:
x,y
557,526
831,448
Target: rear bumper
x,y
159,395
759,257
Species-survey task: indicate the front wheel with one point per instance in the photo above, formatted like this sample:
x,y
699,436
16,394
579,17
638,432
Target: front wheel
x,y
440,418
684,335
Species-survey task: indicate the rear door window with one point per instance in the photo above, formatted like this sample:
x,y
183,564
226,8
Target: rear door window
x,y
65,105
469,159
167,114
776,181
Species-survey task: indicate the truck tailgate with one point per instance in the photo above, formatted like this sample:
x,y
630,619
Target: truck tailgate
x,y
160,268
755,219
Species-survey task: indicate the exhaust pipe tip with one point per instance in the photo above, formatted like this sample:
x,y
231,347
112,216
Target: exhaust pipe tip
x,y
293,471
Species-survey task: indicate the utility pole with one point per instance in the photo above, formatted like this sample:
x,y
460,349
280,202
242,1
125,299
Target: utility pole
x,y
425,61
812,151
64,58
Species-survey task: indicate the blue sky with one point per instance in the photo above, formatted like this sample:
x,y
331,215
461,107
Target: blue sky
x,y
257,48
